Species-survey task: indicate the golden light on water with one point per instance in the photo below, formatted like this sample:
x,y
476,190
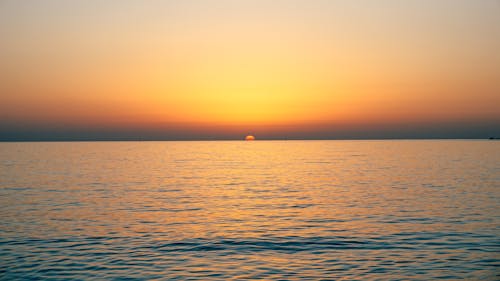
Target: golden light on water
x,y
278,210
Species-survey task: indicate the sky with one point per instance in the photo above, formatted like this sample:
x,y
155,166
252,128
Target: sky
x,y
222,69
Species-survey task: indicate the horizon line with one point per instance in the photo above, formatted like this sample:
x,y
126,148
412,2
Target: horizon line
x,y
213,140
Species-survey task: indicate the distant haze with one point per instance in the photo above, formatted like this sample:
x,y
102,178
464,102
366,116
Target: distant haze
x,y
223,69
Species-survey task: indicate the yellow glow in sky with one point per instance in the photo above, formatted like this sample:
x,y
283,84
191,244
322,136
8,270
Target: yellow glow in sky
x,y
245,63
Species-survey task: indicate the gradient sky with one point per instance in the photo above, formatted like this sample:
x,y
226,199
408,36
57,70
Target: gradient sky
x,y
281,69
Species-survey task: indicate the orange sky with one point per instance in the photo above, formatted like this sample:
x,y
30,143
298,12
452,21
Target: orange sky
x,y
248,65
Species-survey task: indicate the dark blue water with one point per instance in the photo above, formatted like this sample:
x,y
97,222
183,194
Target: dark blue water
x,y
295,210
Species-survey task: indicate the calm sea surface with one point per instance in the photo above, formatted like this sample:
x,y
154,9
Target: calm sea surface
x,y
273,210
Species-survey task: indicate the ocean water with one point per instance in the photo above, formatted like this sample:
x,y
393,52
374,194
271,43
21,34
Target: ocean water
x,y
263,210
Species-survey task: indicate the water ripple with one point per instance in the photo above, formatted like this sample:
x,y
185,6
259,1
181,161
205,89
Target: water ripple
x,y
319,210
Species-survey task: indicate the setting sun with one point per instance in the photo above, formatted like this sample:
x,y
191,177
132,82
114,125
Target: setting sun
x,y
249,138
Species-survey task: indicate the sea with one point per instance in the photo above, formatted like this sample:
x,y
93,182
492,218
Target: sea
x,y
250,210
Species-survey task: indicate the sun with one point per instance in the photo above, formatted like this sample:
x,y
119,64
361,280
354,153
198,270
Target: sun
x,y
249,138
